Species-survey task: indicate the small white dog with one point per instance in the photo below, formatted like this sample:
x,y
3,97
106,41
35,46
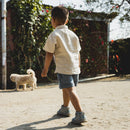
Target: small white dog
x,y
27,79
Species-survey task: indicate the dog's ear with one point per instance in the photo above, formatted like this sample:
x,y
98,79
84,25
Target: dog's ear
x,y
12,78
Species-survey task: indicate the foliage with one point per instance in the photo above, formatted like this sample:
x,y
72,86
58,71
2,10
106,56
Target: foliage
x,y
30,30
119,53
93,39
112,7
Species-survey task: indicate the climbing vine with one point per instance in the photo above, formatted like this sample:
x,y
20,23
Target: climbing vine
x,y
29,30
31,26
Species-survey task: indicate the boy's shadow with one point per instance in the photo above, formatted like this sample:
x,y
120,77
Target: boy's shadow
x,y
30,127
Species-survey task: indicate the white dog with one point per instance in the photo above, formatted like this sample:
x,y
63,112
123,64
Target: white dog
x,y
27,79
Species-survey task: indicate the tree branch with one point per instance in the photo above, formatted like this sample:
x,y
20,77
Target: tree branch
x,y
121,3
128,1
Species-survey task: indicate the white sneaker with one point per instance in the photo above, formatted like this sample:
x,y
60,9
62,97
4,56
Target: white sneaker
x,y
64,111
79,118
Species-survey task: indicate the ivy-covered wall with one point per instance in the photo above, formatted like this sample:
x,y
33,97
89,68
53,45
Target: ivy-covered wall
x,y
119,57
93,39
28,31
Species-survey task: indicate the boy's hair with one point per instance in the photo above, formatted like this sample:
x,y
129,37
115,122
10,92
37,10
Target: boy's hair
x,y
60,13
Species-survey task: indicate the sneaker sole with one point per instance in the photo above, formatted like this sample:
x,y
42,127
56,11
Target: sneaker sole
x,y
63,115
76,123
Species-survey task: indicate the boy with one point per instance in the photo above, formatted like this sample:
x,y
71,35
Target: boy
x,y
65,46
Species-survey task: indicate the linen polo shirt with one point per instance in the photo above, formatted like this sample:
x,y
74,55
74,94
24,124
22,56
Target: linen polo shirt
x,y
65,46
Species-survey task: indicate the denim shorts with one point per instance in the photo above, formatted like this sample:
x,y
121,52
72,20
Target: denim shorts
x,y
67,81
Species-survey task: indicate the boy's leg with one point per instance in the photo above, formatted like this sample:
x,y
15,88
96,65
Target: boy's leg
x,y
67,83
66,97
74,98
79,115
64,110
69,94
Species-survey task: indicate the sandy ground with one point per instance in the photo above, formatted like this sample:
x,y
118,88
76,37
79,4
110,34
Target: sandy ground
x,y
105,102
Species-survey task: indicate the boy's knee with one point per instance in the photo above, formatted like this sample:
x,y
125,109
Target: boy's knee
x,y
71,90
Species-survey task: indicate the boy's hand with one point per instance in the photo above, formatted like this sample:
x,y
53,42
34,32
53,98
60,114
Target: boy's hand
x,y
44,73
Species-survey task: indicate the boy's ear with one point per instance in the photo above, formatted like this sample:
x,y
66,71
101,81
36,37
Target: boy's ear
x,y
53,19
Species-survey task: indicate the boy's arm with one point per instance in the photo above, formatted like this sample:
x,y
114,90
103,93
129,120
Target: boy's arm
x,y
48,59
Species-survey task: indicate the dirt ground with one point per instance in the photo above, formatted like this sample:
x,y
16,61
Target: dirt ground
x,y
106,103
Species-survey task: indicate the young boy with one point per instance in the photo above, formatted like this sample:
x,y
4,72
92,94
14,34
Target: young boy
x,y
64,45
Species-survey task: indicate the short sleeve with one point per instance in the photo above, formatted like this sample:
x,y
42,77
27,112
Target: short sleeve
x,y
50,43
79,47
76,44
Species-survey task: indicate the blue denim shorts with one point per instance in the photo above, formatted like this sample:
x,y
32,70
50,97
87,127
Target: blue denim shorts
x,y
67,81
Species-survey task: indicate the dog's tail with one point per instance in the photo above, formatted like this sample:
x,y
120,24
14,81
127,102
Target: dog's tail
x,y
30,72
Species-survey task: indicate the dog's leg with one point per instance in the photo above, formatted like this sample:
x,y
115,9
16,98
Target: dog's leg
x,y
17,86
32,86
24,87
35,84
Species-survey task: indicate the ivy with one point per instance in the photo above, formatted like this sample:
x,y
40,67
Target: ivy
x,y
29,30
119,53
93,38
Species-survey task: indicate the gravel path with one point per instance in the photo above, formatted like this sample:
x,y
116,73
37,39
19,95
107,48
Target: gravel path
x,y
106,103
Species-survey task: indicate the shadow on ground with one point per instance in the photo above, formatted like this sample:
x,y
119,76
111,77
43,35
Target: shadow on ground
x,y
29,126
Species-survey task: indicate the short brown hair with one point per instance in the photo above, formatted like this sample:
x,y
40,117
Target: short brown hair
x,y
60,13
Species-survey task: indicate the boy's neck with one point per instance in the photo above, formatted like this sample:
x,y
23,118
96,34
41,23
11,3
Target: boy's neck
x,y
59,25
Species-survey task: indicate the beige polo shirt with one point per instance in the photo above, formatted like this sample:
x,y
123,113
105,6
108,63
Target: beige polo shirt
x,y
65,46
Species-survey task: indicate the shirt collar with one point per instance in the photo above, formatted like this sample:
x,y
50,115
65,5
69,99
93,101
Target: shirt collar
x,y
62,27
